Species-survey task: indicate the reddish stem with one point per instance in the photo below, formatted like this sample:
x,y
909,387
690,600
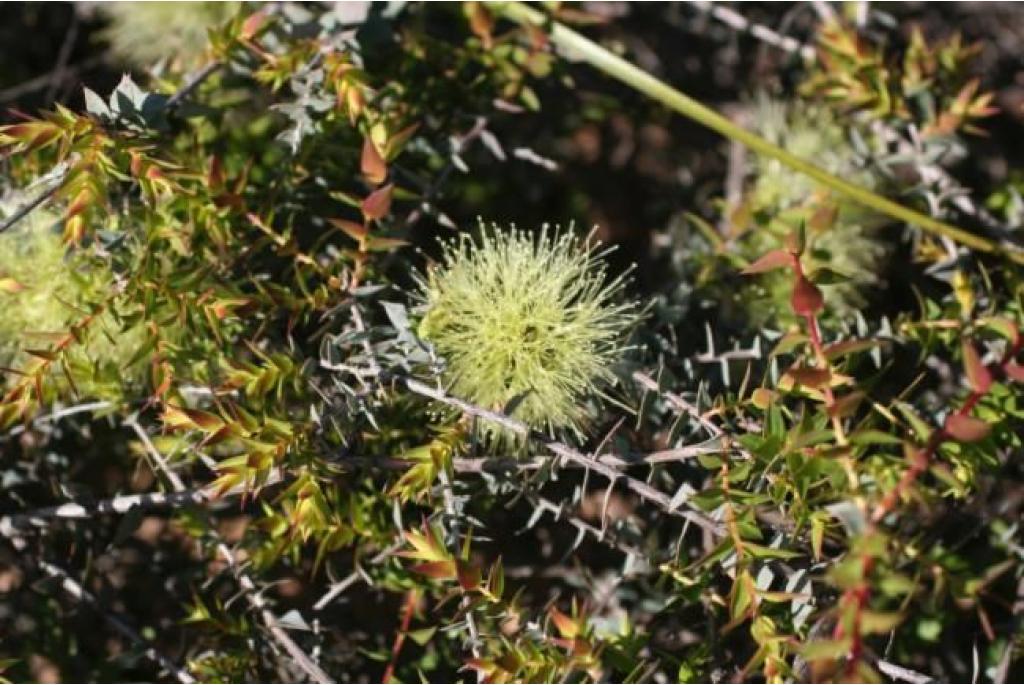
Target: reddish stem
x,y
408,609
861,594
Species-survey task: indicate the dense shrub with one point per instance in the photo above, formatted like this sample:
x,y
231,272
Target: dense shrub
x,y
287,396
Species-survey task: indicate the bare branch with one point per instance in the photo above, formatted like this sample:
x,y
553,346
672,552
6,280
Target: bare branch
x,y
259,604
252,594
759,31
900,673
354,577
566,452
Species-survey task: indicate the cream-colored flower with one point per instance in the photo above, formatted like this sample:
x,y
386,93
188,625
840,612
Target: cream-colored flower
x,y
532,324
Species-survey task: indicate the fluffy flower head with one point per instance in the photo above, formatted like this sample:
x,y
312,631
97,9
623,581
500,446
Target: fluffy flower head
x,y
852,244
529,324
144,32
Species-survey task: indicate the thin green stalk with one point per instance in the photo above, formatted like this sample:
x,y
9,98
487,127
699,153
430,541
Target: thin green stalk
x,y
588,51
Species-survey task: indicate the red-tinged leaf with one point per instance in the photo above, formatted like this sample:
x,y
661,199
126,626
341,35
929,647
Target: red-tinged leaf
x,y
252,25
469,575
770,260
205,421
175,418
353,229
1015,371
179,418
565,625
481,23
425,544
846,405
438,570
809,376
496,579
762,398
19,131
807,299
398,140
796,241
825,650
215,174
162,378
978,375
230,200
378,204
841,349
74,230
479,665
82,200
966,428
31,134
355,102
135,166
1004,327
373,166
47,355
824,218
10,286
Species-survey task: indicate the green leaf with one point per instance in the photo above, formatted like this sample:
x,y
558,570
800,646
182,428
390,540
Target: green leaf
x,y
820,650
920,427
764,552
875,622
871,436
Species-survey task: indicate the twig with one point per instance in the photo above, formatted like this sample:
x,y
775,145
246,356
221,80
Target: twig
x,y
408,608
759,31
62,58
666,456
76,591
59,414
192,83
43,80
154,453
354,577
682,405
900,673
666,503
599,534
459,145
26,209
249,589
258,603
12,525
467,603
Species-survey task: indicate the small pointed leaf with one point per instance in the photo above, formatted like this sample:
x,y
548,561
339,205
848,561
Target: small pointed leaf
x,y
966,428
770,260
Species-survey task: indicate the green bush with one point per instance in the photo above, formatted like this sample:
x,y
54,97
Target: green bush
x,y
277,406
